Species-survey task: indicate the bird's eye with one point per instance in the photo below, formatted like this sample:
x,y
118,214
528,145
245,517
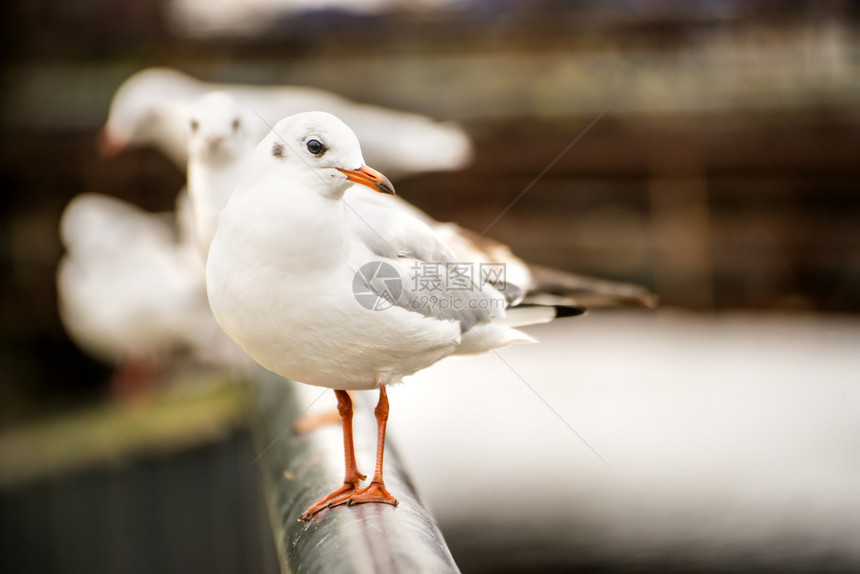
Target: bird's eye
x,y
316,147
195,125
235,124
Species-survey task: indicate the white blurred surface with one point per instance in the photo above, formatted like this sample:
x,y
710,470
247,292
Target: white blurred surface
x,y
198,19
733,432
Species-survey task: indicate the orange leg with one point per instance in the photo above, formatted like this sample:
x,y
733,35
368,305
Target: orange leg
x,y
376,491
352,477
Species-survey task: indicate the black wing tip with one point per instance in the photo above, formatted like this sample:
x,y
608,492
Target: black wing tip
x,y
562,311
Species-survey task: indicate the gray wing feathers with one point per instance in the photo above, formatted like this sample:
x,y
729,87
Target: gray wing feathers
x,y
432,282
449,285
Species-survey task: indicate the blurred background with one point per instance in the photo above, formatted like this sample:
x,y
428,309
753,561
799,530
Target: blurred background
x,y
716,160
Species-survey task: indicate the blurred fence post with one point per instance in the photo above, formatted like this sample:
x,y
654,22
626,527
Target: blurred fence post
x,y
297,470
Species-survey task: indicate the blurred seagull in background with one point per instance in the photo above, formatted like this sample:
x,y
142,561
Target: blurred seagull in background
x,y
131,284
321,285
152,108
129,292
218,146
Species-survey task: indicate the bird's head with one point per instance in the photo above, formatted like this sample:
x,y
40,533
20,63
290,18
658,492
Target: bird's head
x,y
320,147
216,130
142,108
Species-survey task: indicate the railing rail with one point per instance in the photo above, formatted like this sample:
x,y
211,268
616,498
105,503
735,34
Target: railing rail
x,y
299,469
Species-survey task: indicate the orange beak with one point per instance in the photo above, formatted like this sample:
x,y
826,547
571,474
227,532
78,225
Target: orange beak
x,y
109,145
368,176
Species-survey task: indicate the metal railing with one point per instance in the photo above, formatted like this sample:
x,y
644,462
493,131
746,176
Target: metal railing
x,y
298,469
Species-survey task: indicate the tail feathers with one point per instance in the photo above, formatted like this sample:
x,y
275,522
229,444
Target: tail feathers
x,y
554,287
482,338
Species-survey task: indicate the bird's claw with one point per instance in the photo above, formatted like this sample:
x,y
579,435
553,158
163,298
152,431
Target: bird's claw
x,y
375,492
339,496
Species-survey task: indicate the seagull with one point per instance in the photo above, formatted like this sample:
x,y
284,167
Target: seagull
x,y
152,108
218,152
319,289
218,145
128,293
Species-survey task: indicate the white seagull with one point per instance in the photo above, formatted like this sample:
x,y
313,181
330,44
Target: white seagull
x,y
218,146
128,292
152,108
220,149
320,291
